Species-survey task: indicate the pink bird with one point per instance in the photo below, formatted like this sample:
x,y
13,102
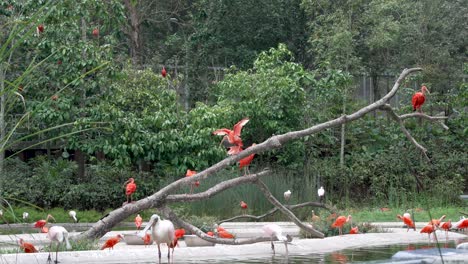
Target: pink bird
x,y
275,232
59,235
340,221
233,136
130,188
138,221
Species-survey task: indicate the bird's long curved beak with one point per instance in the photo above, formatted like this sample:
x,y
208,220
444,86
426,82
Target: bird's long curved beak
x,y
142,233
50,216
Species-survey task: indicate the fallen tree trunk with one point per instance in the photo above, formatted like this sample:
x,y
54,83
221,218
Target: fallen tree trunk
x,y
165,196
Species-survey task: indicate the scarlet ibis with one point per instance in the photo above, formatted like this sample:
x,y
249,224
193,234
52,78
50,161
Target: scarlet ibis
x,y
340,221
243,206
42,223
354,230
72,214
59,235
40,29
190,173
419,98
408,222
147,239
225,234
163,72
275,232
437,221
245,162
287,195
96,32
232,136
138,221
179,233
446,226
163,232
462,224
429,229
130,188
26,247
321,193
111,242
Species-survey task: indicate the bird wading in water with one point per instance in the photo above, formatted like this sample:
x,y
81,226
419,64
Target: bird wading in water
x,y
57,234
275,232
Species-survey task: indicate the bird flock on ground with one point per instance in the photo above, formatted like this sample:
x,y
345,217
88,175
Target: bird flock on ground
x,y
164,232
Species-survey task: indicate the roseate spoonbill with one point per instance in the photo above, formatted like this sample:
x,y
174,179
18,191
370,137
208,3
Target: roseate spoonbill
x,y
232,136
243,206
163,232
190,173
408,222
446,226
340,221
419,98
59,235
321,193
111,242
42,223
25,216
429,229
138,221
163,72
354,230
130,188
26,247
275,232
245,162
287,195
72,214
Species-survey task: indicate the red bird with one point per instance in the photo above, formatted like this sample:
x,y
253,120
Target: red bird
x,y
147,239
96,32
130,188
429,229
245,162
243,205
41,224
225,234
446,226
408,222
40,29
354,230
209,233
419,98
138,221
111,242
163,72
190,173
340,221
233,136
179,233
437,221
27,247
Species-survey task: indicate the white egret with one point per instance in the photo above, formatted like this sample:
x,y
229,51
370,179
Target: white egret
x,y
287,195
72,214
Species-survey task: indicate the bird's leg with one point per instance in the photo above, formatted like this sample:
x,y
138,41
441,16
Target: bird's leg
x,y
169,254
159,253
272,246
56,253
49,259
286,246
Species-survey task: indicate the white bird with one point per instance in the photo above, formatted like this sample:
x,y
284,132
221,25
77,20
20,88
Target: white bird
x,y
162,231
321,193
1,212
287,195
72,214
275,232
59,235
25,216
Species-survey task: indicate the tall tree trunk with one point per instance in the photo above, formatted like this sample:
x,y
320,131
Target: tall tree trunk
x,y
80,157
134,31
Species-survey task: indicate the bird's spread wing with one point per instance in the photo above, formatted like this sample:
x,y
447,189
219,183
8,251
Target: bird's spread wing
x,y
239,125
221,132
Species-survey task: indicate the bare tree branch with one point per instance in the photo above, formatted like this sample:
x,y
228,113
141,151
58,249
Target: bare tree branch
x,y
158,199
400,119
168,213
274,210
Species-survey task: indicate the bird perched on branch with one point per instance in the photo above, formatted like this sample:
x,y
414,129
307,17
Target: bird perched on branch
x,y
111,242
321,193
419,98
162,231
26,247
233,136
130,188
190,173
245,162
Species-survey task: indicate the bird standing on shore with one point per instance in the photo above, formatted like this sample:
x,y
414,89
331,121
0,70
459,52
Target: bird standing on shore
x,y
408,222
275,232
340,221
59,235
111,242
162,231
26,247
